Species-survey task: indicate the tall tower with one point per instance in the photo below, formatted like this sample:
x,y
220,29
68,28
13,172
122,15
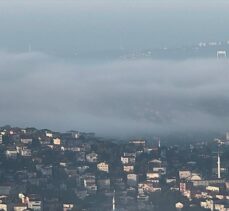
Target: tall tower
x,y
113,202
218,166
159,143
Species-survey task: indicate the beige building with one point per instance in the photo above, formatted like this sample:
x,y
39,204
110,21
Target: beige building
x,y
68,207
103,166
3,207
185,174
56,141
128,168
20,207
153,175
132,179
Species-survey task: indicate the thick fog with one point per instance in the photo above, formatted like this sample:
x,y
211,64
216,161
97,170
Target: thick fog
x,y
54,71
116,98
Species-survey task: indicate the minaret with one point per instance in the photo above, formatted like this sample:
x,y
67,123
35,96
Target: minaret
x,y
113,202
218,165
159,143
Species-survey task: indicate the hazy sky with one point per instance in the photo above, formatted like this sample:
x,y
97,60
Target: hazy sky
x,y
117,97
92,25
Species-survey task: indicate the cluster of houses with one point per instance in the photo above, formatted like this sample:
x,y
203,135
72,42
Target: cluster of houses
x,y
42,170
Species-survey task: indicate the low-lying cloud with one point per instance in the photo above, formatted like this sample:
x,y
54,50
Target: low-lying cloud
x,y
116,98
